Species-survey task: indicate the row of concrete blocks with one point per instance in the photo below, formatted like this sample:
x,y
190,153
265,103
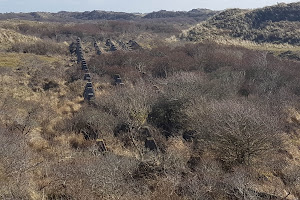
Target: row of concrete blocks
x,y
117,77
110,44
97,48
79,52
126,46
123,45
131,45
89,92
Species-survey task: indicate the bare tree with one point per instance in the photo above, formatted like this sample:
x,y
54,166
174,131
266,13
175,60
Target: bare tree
x,y
14,165
238,132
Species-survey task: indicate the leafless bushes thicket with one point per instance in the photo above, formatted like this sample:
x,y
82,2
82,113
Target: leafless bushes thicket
x,y
216,114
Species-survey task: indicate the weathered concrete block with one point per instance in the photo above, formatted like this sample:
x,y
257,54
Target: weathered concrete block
x,y
101,145
89,84
116,76
108,42
189,135
90,96
134,45
89,90
113,48
118,80
88,93
84,67
150,144
87,77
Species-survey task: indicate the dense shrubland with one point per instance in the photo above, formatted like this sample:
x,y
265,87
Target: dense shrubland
x,y
225,119
40,48
100,29
220,119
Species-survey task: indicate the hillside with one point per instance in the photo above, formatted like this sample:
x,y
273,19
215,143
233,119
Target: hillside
x,y
195,14
118,108
277,24
8,38
68,16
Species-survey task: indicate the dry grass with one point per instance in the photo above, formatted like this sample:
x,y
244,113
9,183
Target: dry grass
x,y
202,32
9,37
36,141
19,59
10,60
12,23
69,107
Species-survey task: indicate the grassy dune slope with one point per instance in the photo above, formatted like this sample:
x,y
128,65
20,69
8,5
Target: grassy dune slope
x,y
9,37
274,28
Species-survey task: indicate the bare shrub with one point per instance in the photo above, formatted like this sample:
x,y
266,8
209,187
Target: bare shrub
x,y
41,48
204,183
168,116
238,132
130,105
165,189
240,185
94,177
14,159
89,122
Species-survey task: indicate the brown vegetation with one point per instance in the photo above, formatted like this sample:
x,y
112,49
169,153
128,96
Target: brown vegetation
x,y
277,25
191,121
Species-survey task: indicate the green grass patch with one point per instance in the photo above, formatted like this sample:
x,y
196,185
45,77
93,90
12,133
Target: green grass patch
x,y
10,60
48,59
19,59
